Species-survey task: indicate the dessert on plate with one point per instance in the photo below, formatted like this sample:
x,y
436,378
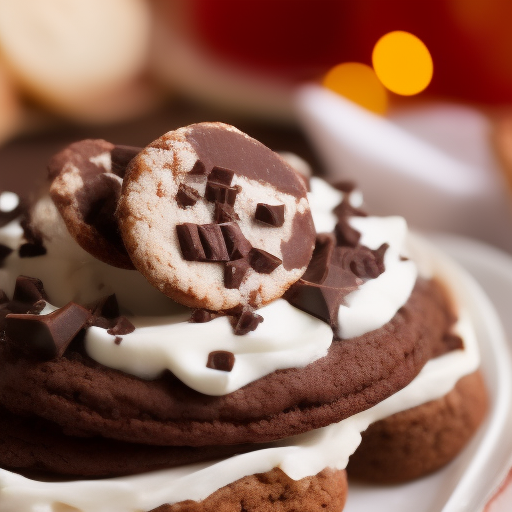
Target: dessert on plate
x,y
195,325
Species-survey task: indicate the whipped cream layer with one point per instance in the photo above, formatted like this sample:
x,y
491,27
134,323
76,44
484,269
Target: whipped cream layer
x,y
298,457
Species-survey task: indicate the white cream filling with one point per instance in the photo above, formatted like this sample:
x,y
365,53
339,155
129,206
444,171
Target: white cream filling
x,y
287,338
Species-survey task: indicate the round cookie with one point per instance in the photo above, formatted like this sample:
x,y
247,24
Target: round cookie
x,y
88,399
415,442
273,492
86,179
214,219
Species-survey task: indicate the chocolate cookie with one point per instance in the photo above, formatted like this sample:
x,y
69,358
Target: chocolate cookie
x,y
87,399
415,442
214,219
86,179
273,492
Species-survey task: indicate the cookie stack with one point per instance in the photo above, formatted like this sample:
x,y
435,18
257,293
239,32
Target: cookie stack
x,y
205,328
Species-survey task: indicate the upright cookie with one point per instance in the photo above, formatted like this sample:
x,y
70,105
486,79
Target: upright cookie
x,y
86,179
214,219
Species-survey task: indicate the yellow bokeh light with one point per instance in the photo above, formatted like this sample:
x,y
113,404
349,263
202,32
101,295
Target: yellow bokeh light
x,y
403,63
358,83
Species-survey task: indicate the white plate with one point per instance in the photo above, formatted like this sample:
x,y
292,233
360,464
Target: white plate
x,y
467,483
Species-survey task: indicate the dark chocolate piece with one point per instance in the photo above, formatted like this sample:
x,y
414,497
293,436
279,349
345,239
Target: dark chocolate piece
x,y
198,169
318,267
234,273
237,245
246,322
106,307
273,215
224,213
262,261
4,252
121,157
345,209
213,243
30,250
219,193
121,327
47,337
221,175
29,290
190,243
345,186
367,263
453,342
201,316
346,235
187,196
221,360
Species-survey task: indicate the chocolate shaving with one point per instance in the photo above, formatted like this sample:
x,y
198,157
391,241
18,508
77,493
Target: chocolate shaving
x,y
221,360
318,267
224,213
262,261
121,156
4,253
186,196
190,243
368,264
221,175
29,290
198,169
48,336
213,243
273,215
121,327
201,316
234,273
236,244
346,235
246,321
118,340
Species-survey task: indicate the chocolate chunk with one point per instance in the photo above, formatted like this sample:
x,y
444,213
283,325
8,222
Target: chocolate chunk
x,y
47,336
262,261
273,215
234,273
453,342
224,213
318,267
246,322
190,243
346,235
367,263
4,252
213,243
30,250
345,186
237,245
198,169
118,340
221,175
219,193
106,307
345,209
29,290
187,196
121,157
121,327
201,316
221,360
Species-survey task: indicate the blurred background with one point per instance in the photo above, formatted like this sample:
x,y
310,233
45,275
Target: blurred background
x,y
410,99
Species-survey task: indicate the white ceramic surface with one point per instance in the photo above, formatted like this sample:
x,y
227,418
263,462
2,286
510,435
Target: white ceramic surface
x,y
468,482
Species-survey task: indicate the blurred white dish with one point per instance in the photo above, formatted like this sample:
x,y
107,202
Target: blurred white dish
x,y
467,483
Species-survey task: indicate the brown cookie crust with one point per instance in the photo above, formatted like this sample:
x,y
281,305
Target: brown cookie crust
x,y
418,441
273,491
87,399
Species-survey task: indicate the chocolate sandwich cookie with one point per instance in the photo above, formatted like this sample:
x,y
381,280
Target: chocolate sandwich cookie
x,y
214,219
420,440
88,399
85,185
